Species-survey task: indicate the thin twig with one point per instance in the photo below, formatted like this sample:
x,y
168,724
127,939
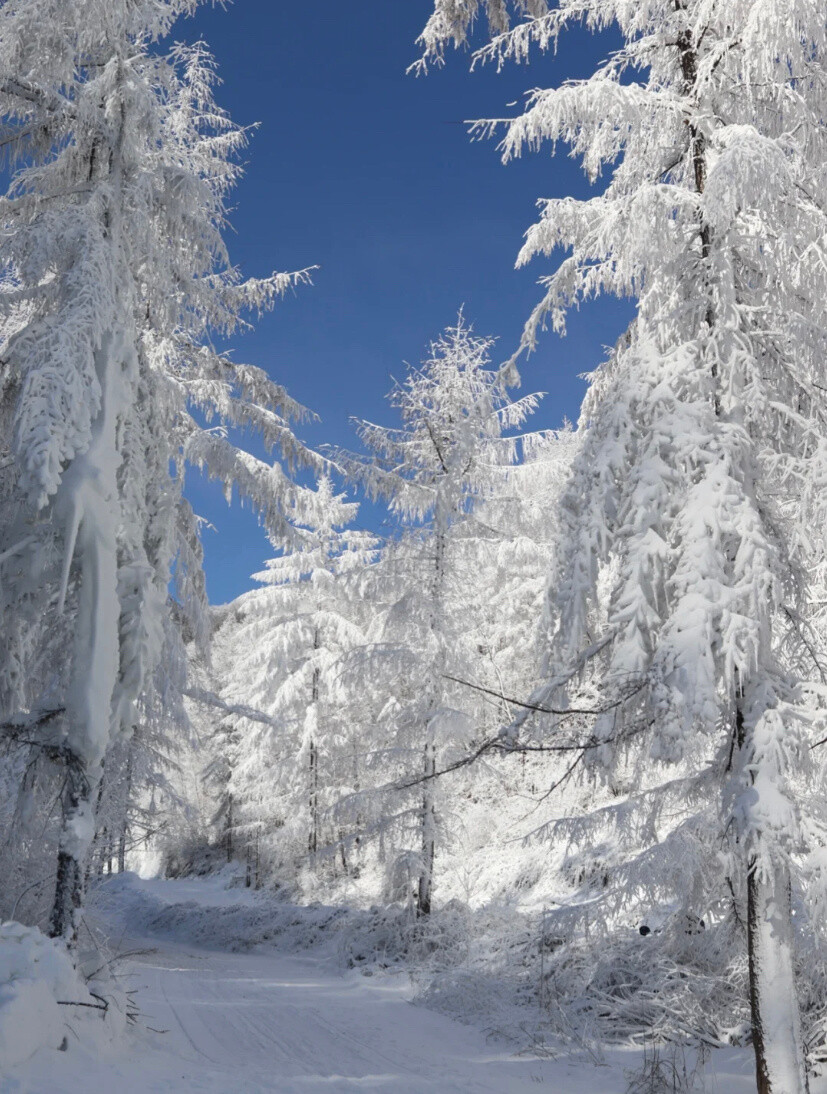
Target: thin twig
x,y
588,711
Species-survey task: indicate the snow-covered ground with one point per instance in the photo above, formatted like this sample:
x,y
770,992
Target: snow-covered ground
x,y
217,1021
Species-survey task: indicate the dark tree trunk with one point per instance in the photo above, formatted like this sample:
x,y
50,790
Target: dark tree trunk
x,y
69,885
342,851
125,819
313,837
315,688
426,875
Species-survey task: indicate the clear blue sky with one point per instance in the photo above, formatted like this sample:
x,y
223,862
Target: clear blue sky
x,y
369,173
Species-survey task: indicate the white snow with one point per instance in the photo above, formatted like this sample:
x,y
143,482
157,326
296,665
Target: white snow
x,y
35,972
270,1022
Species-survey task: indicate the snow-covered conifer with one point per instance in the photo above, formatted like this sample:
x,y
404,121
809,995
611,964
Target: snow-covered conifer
x,y
451,452
114,272
698,484
282,653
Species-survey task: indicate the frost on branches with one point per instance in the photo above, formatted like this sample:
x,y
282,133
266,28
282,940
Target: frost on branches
x,y
324,724
696,500
451,452
283,651
114,273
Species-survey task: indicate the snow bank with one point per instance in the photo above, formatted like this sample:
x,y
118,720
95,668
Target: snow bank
x,y
35,972
212,913
222,918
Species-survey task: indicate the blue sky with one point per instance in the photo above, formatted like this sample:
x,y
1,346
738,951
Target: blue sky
x,y
369,173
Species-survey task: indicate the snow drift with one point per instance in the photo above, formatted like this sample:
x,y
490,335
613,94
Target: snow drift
x,y
37,981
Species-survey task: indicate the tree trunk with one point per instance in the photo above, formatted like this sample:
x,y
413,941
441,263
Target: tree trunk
x,y
776,1035
87,507
357,786
229,828
72,849
125,819
342,850
426,875
68,898
313,837
433,693
315,689
780,1066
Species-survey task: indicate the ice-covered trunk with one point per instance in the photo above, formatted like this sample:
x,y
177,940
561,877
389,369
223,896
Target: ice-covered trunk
x,y
125,818
87,506
313,835
357,786
780,1066
776,1035
315,683
426,874
428,821
229,828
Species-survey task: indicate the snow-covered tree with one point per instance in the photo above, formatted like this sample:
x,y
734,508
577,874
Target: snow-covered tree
x,y
450,453
698,487
282,653
138,795
510,562
114,273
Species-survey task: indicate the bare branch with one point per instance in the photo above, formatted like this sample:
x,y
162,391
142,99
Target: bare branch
x,y
208,698
562,711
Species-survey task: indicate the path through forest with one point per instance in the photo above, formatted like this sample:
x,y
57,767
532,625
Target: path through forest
x,y
257,1022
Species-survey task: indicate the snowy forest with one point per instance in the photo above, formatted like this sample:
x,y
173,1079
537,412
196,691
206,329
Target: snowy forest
x,y
526,726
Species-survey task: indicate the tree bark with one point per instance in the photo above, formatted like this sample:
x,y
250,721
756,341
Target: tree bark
x,y
69,886
428,822
229,833
125,819
87,506
426,873
313,836
315,689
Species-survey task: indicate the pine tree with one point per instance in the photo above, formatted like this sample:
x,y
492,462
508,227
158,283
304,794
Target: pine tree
x,y
114,275
696,487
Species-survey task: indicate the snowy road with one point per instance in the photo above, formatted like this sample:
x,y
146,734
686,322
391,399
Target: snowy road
x,y
270,1023
260,1022
246,1023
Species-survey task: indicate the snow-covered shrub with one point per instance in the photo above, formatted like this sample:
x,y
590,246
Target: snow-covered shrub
x,y
37,979
666,1069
